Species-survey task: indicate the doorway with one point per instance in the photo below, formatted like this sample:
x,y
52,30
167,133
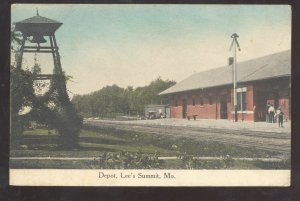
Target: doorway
x,y
276,99
223,107
223,110
260,106
184,108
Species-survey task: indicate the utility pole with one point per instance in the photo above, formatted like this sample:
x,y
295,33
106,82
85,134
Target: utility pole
x,y
234,44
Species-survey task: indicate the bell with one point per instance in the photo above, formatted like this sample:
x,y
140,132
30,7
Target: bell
x,y
38,39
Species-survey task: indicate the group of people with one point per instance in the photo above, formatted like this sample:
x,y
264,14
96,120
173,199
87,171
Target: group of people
x,y
274,115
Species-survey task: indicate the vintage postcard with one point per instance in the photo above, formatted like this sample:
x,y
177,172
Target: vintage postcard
x,y
150,95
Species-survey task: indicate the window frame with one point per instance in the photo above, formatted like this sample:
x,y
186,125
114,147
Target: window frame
x,y
241,94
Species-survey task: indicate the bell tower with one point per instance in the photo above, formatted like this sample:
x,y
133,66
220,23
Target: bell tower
x,y
34,30
56,110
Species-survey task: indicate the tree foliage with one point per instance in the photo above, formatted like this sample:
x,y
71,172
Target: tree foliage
x,y
21,96
113,99
52,109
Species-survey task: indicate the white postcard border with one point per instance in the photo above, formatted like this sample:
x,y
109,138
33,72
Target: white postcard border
x,y
75,177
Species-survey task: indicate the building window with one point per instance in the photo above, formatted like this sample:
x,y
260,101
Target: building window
x,y
201,101
210,100
194,102
176,103
241,99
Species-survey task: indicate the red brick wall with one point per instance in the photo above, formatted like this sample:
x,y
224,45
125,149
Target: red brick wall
x,y
243,117
249,98
176,111
265,93
205,111
255,103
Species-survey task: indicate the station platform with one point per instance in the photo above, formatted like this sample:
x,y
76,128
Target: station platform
x,y
216,124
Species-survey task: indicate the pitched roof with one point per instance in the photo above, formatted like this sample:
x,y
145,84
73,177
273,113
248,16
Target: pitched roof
x,y
37,24
38,19
270,66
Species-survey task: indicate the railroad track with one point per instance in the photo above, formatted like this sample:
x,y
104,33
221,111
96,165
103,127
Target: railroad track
x,y
279,142
214,130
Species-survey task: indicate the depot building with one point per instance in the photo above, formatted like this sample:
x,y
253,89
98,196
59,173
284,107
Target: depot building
x,y
209,94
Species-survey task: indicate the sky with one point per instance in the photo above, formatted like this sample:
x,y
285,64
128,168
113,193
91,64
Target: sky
x,y
132,45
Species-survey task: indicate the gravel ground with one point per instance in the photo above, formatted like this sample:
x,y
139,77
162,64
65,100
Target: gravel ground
x,y
260,135
209,123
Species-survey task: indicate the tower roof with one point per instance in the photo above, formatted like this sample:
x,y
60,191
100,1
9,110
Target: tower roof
x,y
37,25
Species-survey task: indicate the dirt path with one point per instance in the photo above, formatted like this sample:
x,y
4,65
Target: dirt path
x,y
279,142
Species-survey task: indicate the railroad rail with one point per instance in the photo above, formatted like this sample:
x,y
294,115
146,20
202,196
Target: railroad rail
x,y
279,142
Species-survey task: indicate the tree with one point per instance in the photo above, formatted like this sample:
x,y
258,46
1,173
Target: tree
x,y
21,96
115,100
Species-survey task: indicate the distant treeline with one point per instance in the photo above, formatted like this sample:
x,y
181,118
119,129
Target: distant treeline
x,y
114,100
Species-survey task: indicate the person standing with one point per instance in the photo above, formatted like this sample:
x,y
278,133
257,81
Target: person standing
x,y
275,115
277,112
280,115
271,113
267,113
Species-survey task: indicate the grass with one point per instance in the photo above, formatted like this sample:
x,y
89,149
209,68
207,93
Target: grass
x,y
149,149
184,145
93,142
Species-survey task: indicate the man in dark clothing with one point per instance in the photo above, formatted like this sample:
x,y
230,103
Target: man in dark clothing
x,y
280,115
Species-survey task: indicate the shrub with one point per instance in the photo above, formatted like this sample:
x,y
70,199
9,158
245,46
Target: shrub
x,y
190,162
126,160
